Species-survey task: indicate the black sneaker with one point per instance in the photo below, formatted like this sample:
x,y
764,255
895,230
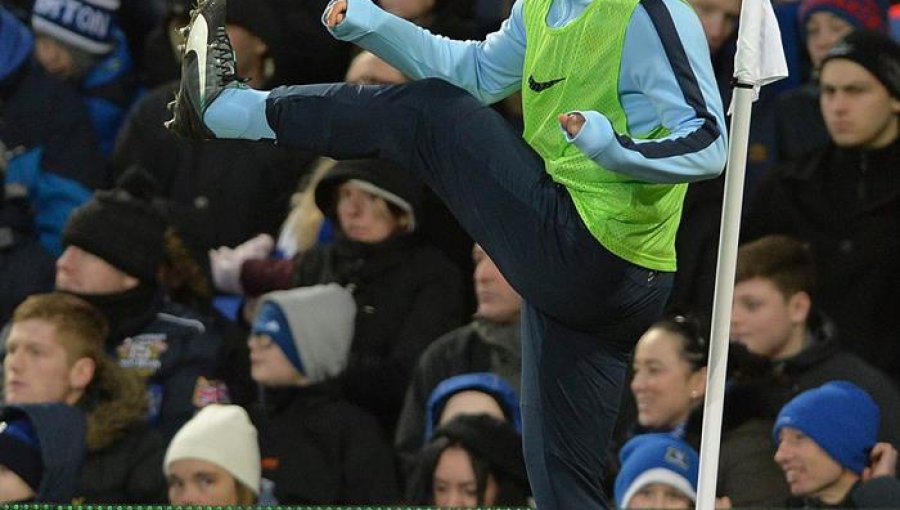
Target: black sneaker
x,y
207,68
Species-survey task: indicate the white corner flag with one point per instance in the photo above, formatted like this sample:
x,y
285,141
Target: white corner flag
x,y
760,56
759,61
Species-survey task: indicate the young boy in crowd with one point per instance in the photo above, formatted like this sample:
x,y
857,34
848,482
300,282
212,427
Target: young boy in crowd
x,y
317,448
826,441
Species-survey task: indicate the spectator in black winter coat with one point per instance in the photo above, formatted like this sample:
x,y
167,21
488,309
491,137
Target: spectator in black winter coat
x,y
224,192
55,354
775,316
42,448
407,293
317,448
800,129
490,343
844,200
114,251
789,346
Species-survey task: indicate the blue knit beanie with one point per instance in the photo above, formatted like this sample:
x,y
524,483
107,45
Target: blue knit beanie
x,y
270,320
656,458
840,417
88,25
485,382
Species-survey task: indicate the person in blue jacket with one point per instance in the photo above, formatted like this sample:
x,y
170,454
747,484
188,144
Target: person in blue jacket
x,y
45,147
579,211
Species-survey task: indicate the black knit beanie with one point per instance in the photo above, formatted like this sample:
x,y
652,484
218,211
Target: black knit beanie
x,y
876,52
122,226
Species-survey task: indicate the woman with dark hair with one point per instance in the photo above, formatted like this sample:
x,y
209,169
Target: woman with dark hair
x,y
474,460
668,384
669,373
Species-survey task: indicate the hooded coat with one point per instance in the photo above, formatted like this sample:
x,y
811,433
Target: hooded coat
x,y
407,294
61,432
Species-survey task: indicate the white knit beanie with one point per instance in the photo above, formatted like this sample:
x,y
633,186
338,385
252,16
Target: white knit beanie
x,y
224,436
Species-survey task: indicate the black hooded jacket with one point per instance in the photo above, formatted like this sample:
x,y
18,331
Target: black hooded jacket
x,y
407,294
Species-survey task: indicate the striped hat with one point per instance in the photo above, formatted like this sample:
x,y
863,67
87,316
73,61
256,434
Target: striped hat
x,y
87,25
865,14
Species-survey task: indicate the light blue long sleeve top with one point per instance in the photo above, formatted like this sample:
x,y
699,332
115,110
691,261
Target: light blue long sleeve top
x,y
666,79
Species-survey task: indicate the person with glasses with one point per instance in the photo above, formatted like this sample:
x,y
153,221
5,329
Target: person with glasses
x,y
317,448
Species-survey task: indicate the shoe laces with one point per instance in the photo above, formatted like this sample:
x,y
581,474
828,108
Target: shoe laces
x,y
224,59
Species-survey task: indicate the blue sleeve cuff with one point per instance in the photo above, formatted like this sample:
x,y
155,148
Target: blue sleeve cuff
x,y
595,136
361,19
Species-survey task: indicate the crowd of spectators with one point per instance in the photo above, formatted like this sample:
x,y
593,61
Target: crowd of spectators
x,y
237,323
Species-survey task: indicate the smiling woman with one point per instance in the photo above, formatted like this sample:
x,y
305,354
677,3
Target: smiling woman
x,y
669,373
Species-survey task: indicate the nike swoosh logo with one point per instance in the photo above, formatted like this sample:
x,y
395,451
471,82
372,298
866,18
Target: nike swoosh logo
x,y
197,42
540,86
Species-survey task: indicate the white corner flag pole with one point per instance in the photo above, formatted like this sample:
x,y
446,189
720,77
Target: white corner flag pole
x,y
759,61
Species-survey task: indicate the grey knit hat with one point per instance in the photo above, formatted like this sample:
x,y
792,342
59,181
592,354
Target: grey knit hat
x,y
319,319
